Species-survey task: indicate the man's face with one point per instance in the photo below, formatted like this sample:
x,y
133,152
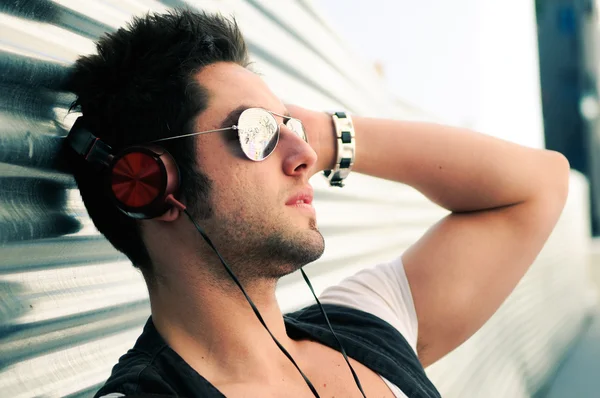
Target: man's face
x,y
256,223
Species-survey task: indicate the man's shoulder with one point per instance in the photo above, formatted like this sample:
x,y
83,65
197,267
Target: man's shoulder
x,y
362,333
346,320
383,291
366,338
152,367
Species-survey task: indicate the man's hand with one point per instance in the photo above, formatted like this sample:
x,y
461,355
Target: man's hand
x,y
320,134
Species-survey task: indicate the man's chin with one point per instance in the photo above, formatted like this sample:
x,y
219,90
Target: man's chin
x,y
300,250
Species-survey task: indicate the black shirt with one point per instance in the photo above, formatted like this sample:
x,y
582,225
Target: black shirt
x,y
151,366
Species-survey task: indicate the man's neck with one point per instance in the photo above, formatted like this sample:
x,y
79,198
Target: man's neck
x,y
214,329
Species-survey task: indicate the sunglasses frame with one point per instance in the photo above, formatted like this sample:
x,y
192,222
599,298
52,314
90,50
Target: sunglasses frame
x,y
236,127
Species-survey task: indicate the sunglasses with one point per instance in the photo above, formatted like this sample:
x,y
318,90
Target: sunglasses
x,y
258,132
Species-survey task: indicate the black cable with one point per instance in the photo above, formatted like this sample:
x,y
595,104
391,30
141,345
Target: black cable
x,y
257,313
287,354
356,380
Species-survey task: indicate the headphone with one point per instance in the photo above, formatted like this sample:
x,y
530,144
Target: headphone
x,y
142,180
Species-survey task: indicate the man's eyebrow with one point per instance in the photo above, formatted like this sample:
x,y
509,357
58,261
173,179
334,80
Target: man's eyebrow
x,y
233,116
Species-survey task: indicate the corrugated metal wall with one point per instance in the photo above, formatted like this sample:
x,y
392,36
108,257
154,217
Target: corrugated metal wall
x,y
70,305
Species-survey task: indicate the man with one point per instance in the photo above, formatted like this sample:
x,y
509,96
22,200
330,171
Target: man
x,y
246,186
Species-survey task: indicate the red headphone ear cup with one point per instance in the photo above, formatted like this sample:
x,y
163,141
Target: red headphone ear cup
x,y
137,179
142,179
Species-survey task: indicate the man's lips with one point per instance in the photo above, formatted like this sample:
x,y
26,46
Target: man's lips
x,y
305,196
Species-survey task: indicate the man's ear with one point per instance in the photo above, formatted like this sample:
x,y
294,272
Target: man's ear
x,y
171,215
174,211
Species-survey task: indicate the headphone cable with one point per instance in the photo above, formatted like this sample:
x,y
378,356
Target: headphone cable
x,y
256,312
260,318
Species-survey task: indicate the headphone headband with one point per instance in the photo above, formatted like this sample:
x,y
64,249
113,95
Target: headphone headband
x,y
86,144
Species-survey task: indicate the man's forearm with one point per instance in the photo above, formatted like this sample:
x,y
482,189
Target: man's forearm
x,y
459,169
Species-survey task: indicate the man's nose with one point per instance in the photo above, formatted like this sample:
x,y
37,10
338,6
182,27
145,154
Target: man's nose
x,y
298,156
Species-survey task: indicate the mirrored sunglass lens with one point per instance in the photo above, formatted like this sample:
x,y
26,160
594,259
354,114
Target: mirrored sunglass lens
x,y
257,130
296,126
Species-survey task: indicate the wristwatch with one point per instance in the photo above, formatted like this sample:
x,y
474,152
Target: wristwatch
x,y
346,148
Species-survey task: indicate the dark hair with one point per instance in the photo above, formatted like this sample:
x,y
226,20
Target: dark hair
x,y
140,87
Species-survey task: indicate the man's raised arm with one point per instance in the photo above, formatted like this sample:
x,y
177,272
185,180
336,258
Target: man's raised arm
x,y
505,200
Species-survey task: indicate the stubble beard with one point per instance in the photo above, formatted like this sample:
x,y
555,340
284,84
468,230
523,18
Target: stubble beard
x,y
291,252
254,250
257,252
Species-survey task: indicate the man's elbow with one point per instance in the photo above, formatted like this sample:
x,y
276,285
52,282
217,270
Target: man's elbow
x,y
552,189
557,171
